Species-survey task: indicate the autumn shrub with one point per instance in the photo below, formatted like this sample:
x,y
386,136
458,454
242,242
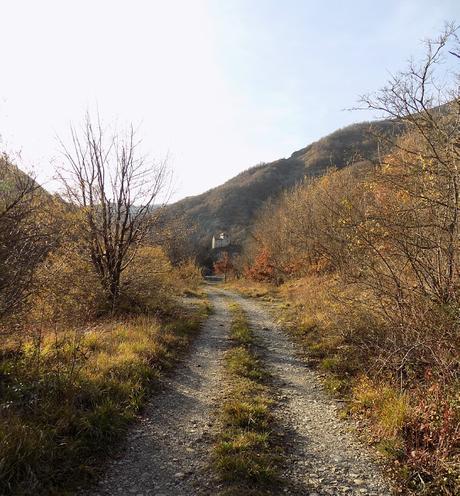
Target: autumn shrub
x,y
148,282
262,268
419,429
330,319
67,289
224,266
152,283
188,275
27,234
432,441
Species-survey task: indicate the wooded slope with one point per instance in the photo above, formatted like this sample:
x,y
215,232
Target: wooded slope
x,y
233,205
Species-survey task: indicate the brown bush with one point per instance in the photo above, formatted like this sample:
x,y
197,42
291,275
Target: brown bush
x,y
149,281
26,235
378,251
68,289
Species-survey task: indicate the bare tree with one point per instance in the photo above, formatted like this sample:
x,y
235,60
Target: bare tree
x,y
426,99
116,188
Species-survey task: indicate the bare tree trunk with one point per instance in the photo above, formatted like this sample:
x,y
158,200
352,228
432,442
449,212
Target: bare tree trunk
x,y
116,189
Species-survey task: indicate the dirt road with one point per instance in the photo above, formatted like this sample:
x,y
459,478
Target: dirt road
x,y
324,457
168,452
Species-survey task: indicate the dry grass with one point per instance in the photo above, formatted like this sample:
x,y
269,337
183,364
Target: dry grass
x,y
69,397
415,426
253,289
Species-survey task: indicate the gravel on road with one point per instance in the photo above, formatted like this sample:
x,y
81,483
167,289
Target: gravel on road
x,y
324,455
168,452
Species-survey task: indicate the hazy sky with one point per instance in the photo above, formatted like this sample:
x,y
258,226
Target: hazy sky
x,y
219,84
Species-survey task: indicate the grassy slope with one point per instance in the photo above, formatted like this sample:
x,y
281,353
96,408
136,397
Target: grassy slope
x,y
66,404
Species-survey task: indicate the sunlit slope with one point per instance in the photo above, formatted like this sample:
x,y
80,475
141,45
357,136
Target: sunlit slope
x,y
233,205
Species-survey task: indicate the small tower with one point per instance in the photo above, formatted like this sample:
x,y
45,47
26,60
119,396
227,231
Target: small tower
x,y
220,240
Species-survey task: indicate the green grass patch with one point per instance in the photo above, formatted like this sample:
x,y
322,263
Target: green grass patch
x,y
241,362
67,400
245,455
240,331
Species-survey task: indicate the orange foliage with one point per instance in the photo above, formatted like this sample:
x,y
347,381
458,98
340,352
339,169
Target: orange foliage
x,y
224,265
262,270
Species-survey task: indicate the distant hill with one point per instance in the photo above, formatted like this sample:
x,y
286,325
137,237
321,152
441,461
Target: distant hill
x,y
232,206
13,179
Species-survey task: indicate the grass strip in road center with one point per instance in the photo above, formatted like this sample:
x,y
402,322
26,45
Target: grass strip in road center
x,y
245,455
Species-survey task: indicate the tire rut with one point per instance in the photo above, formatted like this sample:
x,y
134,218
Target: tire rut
x,y
167,452
324,456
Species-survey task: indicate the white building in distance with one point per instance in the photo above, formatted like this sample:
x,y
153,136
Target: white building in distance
x,y
220,240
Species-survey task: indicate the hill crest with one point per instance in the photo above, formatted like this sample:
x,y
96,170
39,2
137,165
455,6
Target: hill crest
x,y
232,206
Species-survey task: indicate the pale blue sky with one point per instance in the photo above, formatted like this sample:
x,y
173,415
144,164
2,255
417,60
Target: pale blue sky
x,y
219,84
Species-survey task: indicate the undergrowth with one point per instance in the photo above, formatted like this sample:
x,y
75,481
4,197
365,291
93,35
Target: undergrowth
x,y
253,289
68,397
245,455
412,418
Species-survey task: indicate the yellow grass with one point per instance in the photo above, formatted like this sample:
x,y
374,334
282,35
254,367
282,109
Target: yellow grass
x,y
67,399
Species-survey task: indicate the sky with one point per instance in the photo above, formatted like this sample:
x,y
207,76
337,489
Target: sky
x,y
216,86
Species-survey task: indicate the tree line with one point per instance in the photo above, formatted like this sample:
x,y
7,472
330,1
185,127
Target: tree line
x,y
377,247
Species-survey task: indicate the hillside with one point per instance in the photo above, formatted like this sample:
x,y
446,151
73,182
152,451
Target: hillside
x,y
14,180
233,205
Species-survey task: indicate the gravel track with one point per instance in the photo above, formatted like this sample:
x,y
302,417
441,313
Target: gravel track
x,y
168,452
324,456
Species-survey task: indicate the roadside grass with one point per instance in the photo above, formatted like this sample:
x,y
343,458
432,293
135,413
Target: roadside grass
x,y
253,289
415,428
245,455
68,398
194,293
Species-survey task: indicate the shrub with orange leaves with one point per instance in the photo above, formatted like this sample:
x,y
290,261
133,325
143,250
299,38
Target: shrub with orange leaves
x,y
262,269
432,440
